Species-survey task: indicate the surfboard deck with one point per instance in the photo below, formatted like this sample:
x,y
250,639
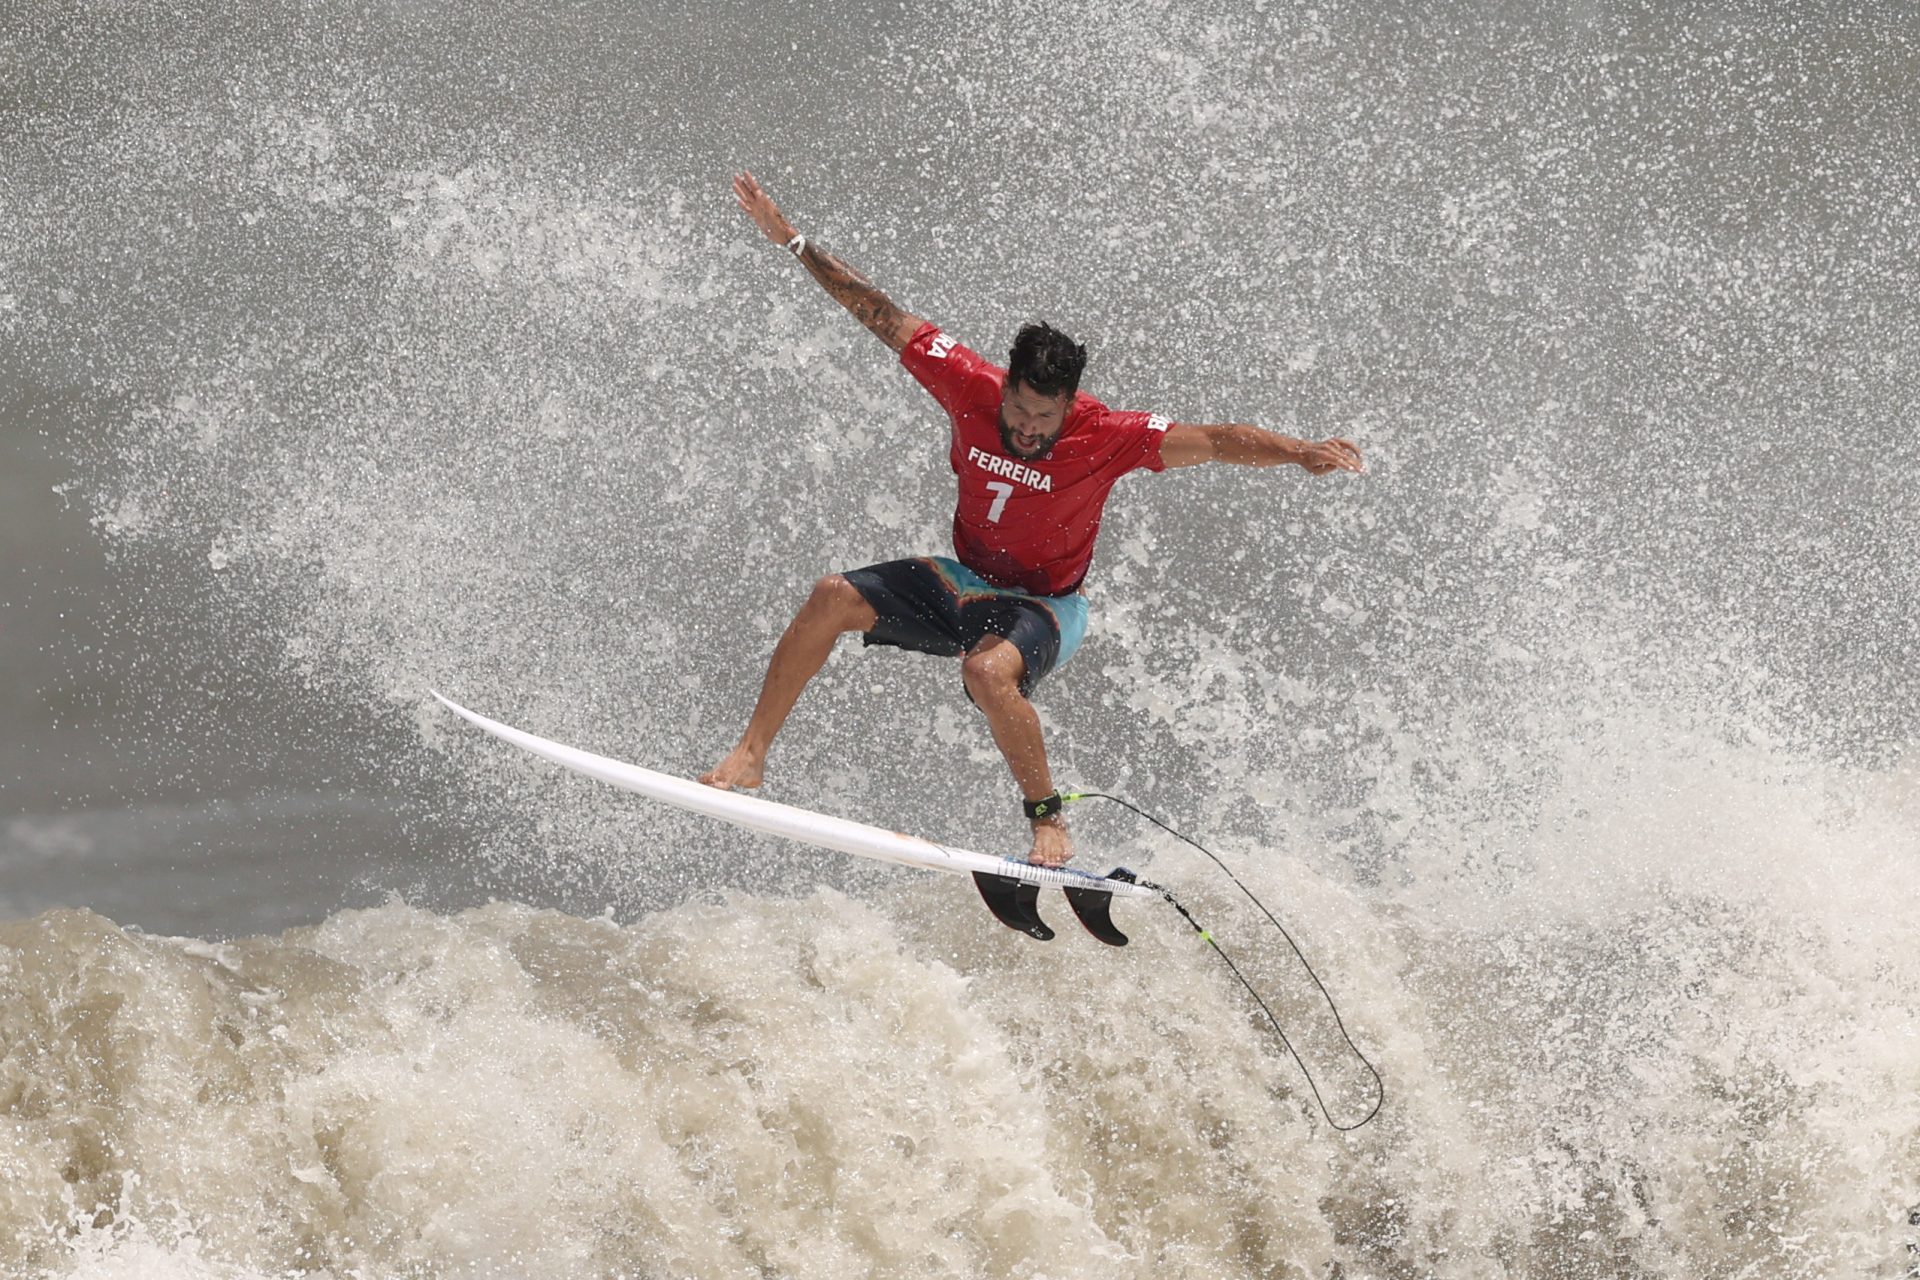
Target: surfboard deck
x,y
1013,902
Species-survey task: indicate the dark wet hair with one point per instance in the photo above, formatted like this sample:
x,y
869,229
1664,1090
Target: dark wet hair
x,y
1046,359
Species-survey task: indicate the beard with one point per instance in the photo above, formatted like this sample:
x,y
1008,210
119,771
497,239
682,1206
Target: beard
x,y
1006,443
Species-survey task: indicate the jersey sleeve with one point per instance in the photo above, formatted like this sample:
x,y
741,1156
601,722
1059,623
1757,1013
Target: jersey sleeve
x,y
1132,440
945,368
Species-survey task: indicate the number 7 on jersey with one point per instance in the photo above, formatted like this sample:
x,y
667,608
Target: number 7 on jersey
x,y
1001,492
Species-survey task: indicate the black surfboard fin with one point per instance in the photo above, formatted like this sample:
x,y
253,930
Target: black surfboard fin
x,y
1012,903
1094,906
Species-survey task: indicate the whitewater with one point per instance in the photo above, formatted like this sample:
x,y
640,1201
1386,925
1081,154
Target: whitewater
x,y
364,347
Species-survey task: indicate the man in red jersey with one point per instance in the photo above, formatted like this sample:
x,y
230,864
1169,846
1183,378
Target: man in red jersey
x,y
1036,458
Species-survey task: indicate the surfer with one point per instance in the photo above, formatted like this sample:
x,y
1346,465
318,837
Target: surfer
x,y
1036,458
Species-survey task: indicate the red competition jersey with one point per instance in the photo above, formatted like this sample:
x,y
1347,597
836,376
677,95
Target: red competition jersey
x,y
1027,523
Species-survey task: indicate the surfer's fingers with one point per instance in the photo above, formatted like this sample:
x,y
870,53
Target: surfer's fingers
x,y
760,207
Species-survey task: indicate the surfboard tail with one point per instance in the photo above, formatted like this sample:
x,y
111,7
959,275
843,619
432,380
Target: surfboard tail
x,y
1094,907
1013,904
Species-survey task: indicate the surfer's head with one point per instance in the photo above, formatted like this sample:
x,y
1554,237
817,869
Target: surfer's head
x,y
1043,372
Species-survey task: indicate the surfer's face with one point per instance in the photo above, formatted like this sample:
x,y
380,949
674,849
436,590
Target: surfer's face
x,y
1029,421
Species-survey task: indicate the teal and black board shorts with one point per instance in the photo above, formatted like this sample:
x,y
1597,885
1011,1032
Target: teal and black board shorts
x,y
935,605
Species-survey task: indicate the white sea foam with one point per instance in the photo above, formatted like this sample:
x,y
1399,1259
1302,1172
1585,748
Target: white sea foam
x,y
1701,1080
1567,739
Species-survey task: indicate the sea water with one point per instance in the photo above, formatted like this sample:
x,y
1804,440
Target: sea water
x,y
373,346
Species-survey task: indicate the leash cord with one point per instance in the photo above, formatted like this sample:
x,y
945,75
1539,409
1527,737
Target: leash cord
x,y
1379,1086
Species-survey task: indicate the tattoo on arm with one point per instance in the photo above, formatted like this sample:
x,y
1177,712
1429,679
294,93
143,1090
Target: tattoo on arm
x,y
856,293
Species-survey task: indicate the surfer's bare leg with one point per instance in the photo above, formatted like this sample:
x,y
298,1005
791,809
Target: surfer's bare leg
x,y
834,608
992,671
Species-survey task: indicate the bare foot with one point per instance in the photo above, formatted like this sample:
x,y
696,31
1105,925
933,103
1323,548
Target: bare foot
x,y
741,768
1052,845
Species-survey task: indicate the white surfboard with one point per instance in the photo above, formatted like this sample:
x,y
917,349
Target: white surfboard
x,y
846,836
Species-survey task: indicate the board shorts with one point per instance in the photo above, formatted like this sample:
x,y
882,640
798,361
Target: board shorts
x,y
931,604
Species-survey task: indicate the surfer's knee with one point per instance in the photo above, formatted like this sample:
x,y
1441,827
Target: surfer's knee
x,y
839,602
992,672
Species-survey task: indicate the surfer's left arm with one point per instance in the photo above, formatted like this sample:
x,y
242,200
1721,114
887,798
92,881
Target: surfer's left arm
x,y
1188,444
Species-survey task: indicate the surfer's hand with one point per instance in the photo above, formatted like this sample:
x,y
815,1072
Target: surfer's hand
x,y
759,206
1331,455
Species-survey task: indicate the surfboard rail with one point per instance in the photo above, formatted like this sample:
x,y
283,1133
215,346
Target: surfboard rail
x,y
1012,903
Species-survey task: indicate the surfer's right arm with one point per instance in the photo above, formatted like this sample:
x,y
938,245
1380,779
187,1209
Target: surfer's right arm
x,y
848,287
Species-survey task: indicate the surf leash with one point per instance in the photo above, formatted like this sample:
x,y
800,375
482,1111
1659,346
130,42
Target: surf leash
x,y
1379,1086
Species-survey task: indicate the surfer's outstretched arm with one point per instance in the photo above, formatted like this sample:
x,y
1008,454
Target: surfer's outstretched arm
x,y
849,288
1189,444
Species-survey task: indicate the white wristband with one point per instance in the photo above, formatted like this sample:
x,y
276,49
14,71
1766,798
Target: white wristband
x,y
797,245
